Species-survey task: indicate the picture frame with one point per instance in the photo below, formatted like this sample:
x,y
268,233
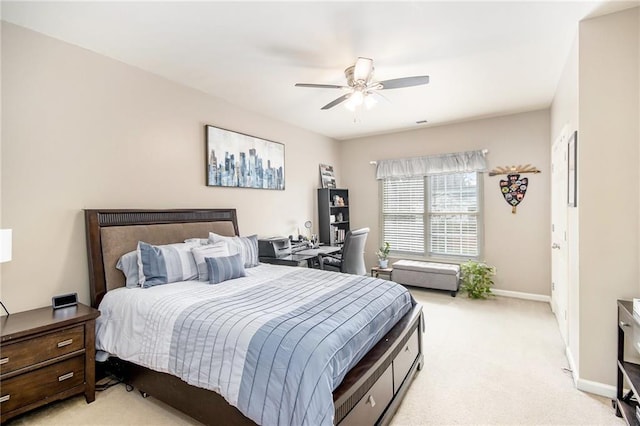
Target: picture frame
x,y
327,177
572,170
238,160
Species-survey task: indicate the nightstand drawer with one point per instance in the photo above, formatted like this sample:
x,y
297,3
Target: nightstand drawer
x,y
28,352
42,383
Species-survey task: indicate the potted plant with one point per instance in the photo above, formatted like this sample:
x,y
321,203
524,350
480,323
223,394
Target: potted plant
x,y
383,255
477,279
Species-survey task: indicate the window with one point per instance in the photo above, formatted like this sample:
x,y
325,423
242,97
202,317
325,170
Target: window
x,y
433,216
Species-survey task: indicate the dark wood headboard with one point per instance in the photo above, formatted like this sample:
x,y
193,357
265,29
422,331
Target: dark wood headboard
x,y
114,232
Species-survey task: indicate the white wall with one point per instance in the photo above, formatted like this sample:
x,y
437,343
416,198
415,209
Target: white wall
x,y
83,131
608,175
517,244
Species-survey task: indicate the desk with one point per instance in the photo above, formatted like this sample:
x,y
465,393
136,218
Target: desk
x,y
303,258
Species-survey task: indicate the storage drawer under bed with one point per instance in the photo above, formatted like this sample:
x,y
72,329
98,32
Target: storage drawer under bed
x,y
369,409
404,360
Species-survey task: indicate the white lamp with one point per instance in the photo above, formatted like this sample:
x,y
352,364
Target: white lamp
x,y
5,245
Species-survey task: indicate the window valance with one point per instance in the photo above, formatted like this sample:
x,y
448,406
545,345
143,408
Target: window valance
x,y
458,162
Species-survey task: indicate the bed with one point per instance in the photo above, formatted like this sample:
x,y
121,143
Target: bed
x,y
368,393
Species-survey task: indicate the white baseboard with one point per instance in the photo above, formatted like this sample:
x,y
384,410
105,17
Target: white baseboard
x,y
520,295
608,391
572,366
596,388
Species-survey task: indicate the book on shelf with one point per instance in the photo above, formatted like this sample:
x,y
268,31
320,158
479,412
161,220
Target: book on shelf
x,y
339,234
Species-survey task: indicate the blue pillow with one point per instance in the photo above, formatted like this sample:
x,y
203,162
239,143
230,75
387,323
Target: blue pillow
x,y
165,264
224,268
200,253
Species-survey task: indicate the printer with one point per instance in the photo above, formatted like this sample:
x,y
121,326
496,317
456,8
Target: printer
x,y
276,247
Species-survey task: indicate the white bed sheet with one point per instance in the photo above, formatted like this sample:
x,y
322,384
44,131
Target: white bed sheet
x,y
120,329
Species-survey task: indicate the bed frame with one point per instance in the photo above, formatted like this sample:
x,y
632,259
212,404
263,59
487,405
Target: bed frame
x,y
112,233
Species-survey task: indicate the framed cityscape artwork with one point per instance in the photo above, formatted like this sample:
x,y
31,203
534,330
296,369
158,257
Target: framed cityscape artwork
x,y
238,160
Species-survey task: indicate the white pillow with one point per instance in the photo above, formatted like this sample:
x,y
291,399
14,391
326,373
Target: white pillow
x,y
219,249
201,241
246,246
128,264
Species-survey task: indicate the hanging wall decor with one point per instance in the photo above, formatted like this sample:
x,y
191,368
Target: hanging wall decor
x,y
514,188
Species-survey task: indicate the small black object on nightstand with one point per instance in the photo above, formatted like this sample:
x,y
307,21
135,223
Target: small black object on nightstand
x,y
64,300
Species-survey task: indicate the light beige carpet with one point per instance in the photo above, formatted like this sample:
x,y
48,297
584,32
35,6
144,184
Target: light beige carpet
x,y
493,362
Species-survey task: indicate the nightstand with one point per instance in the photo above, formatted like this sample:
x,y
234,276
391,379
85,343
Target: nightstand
x,y
46,355
376,271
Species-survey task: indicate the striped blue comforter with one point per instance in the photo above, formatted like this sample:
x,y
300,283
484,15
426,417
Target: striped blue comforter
x,y
277,349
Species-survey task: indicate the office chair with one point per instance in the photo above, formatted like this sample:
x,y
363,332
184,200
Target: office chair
x,y
351,259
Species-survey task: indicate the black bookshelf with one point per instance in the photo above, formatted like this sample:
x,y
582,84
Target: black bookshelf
x,y
333,215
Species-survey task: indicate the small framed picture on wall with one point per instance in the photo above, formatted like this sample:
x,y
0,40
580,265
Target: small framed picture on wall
x,y
327,178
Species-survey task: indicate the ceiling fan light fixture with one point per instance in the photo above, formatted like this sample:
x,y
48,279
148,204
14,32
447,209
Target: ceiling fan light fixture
x,y
355,100
370,101
362,87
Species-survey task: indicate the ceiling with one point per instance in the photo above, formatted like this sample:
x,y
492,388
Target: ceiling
x,y
483,58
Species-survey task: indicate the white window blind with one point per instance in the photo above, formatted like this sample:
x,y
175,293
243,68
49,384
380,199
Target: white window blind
x,y
453,214
403,214
441,210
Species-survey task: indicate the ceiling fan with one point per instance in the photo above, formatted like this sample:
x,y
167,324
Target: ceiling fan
x,y
361,85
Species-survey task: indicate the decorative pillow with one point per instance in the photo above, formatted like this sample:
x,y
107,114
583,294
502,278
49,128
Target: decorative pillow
x,y
224,268
246,246
128,264
201,241
218,249
165,264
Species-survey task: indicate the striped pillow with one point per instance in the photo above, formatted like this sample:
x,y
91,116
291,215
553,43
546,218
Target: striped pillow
x,y
210,250
246,246
224,268
165,264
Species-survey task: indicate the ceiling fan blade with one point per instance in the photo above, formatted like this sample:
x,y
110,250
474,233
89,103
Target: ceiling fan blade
x,y
337,101
321,86
363,69
398,83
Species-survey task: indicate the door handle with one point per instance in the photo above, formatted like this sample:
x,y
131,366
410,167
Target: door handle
x,y
555,246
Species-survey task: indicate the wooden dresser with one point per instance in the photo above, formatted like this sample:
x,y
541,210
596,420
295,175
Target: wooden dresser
x,y
46,355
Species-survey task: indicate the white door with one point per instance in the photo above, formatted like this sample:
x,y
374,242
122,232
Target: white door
x,y
559,251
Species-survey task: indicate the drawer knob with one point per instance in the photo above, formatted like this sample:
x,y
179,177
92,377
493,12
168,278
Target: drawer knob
x,y
624,324
65,343
5,398
4,360
407,349
65,376
371,401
